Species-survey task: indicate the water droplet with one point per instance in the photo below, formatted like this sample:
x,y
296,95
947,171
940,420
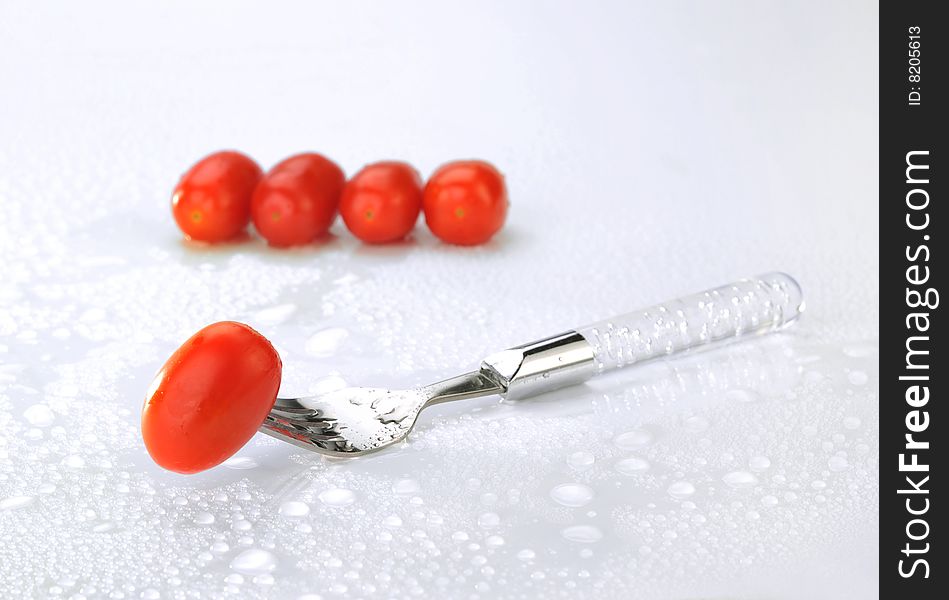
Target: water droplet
x,y
741,395
241,525
39,415
580,460
92,315
392,521
489,520
631,440
852,423
275,314
769,500
859,350
740,479
325,385
857,377
759,463
240,462
337,497
837,463
695,424
572,494
406,487
526,554
294,508
632,465
74,461
15,502
254,562
585,534
203,518
681,489
325,343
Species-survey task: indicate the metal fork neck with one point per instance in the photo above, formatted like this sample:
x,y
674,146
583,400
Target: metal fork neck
x,y
542,366
470,385
534,368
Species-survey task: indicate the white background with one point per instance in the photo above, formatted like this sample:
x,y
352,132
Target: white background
x,y
651,149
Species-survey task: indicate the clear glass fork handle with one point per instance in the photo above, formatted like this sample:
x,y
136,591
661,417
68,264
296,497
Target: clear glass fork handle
x,y
747,307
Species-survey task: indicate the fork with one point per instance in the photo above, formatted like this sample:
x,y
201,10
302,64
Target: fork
x,y
355,421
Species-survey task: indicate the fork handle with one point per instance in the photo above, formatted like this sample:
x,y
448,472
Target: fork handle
x,y
741,309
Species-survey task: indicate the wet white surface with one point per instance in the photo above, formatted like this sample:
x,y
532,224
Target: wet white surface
x,y
650,151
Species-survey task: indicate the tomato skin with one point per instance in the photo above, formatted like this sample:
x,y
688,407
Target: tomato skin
x,y
381,203
211,202
295,203
210,397
465,202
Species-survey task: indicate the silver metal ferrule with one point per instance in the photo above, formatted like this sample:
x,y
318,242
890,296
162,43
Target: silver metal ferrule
x,y
541,366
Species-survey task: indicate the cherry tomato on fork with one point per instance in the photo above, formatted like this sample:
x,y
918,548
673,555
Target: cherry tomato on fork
x,y
210,397
381,203
296,201
465,202
211,203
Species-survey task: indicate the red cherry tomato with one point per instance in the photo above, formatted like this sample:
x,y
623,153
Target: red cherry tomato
x,y
212,201
210,397
381,203
465,202
296,201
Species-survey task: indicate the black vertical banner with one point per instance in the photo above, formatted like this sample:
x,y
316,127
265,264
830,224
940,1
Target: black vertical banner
x,y
914,372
